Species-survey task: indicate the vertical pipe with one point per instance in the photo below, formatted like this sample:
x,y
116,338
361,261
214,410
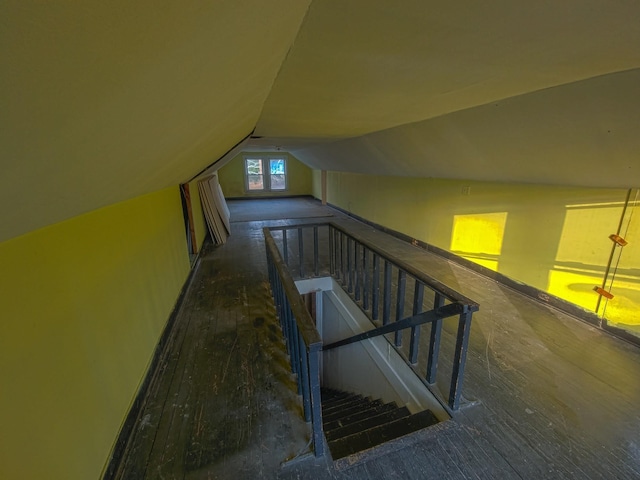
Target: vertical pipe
x,y
301,252
460,358
402,281
434,342
375,288
418,296
386,302
613,249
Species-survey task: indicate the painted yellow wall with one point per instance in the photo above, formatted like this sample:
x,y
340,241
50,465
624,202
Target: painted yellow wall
x,y
553,238
316,183
83,305
231,177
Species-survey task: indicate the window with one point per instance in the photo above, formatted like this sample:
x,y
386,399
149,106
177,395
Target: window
x,y
265,174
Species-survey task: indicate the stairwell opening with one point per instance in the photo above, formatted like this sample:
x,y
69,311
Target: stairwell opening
x,y
369,394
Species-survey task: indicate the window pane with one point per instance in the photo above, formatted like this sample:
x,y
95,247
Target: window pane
x,y
254,166
278,182
256,182
276,166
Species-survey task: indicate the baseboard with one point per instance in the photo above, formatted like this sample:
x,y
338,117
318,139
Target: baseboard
x,y
128,426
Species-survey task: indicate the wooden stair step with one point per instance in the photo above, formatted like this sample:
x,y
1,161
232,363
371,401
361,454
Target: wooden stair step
x,y
338,413
363,440
331,407
358,416
378,418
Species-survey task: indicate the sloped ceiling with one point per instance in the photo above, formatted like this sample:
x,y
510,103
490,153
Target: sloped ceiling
x,y
105,101
102,101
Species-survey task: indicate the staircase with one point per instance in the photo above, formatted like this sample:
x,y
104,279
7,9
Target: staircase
x,y
353,423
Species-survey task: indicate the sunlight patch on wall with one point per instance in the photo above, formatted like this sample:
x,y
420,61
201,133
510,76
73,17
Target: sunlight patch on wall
x,y
478,237
583,252
622,310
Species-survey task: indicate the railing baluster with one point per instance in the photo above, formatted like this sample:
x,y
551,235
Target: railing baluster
x,y
460,358
343,263
301,252
356,268
434,342
285,248
316,401
375,288
418,296
402,280
332,249
349,267
367,278
386,301
304,380
316,270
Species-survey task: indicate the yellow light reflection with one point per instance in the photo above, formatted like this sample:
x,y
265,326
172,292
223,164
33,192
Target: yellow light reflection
x,y
478,237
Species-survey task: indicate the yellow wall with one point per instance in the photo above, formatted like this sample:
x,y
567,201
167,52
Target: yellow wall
x,y
553,238
83,305
231,177
316,183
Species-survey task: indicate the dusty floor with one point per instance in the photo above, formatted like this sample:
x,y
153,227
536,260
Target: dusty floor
x,y
557,398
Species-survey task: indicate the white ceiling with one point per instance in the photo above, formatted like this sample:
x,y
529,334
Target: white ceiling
x,y
105,101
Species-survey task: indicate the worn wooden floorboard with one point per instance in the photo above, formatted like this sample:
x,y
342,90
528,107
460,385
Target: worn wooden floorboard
x,y
557,398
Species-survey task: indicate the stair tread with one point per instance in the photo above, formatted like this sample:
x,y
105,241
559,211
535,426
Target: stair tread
x,y
378,418
328,407
351,409
357,416
379,434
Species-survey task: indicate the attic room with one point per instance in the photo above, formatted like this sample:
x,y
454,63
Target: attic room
x,y
500,139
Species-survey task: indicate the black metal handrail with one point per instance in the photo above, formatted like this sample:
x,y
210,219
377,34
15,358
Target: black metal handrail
x,y
365,270
303,341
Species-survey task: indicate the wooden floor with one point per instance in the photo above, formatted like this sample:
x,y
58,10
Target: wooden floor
x,y
556,398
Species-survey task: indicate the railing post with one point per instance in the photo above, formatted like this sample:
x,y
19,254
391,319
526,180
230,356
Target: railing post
x,y
402,281
434,342
460,358
418,296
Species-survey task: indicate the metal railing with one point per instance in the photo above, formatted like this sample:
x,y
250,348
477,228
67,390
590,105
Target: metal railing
x,y
384,287
303,341
366,272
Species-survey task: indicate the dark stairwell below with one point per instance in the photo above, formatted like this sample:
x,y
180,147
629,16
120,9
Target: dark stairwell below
x,y
353,423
